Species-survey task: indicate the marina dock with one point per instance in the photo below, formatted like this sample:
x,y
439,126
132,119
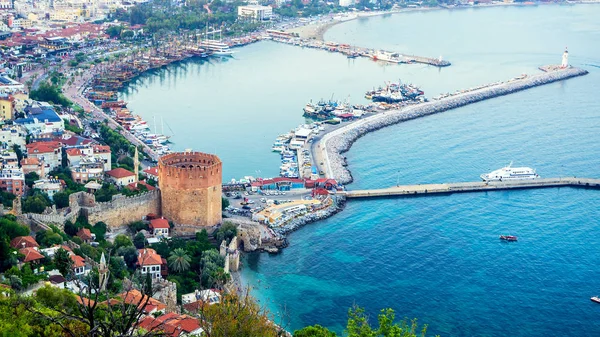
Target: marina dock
x,y
479,186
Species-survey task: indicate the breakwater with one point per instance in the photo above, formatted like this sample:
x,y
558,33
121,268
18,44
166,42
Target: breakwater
x,y
478,186
356,51
339,141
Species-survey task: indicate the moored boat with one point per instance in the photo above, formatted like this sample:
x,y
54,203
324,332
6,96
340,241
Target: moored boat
x,y
508,238
511,173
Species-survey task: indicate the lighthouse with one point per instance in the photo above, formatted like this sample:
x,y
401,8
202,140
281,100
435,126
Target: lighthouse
x,y
565,59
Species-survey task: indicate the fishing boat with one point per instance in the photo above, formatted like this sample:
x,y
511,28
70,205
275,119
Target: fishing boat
x,y
511,173
595,299
508,238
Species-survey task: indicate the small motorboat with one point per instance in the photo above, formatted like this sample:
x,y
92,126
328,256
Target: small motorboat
x,y
595,299
508,237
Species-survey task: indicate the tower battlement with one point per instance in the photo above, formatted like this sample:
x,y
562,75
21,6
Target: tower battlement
x,y
190,184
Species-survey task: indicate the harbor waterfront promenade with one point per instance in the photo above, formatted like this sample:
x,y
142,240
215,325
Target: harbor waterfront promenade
x,y
329,149
478,186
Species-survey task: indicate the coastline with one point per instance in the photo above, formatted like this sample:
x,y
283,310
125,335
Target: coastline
x,y
317,30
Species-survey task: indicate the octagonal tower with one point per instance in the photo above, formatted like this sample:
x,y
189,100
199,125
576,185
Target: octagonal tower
x,y
190,188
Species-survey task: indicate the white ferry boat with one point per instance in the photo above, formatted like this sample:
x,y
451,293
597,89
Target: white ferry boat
x,y
387,57
511,173
216,47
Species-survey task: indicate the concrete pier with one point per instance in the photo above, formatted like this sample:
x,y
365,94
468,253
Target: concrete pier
x,y
479,186
332,145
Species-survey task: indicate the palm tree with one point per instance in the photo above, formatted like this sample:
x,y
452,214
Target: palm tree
x,y
179,261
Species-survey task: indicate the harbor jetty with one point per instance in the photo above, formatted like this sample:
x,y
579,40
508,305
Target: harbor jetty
x,y
479,186
332,145
392,57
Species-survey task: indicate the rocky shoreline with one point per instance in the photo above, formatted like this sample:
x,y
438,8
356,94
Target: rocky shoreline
x,y
340,141
339,201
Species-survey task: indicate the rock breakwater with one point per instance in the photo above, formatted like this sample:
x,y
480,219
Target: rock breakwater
x,y
339,141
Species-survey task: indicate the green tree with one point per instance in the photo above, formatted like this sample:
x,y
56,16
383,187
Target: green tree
x,y
314,331
63,262
129,254
36,203
139,240
226,232
100,230
15,282
71,228
358,325
179,261
61,199
49,93
30,178
122,241
224,203
211,266
117,267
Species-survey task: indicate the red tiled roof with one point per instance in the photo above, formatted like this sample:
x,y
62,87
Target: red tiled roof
x,y
152,171
159,223
23,242
134,186
30,161
171,324
78,261
148,257
73,152
120,173
84,234
42,147
135,297
84,301
30,254
101,149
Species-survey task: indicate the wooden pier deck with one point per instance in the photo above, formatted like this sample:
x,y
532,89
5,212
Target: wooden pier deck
x,y
478,186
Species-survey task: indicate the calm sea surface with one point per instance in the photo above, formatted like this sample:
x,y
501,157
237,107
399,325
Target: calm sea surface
x,y
435,258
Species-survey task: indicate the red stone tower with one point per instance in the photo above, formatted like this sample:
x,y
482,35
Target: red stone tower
x,y
190,188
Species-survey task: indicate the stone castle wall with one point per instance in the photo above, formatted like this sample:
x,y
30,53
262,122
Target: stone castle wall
x,y
120,210
190,184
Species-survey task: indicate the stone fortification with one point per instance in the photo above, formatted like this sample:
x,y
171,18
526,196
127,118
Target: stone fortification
x,y
119,211
190,185
340,140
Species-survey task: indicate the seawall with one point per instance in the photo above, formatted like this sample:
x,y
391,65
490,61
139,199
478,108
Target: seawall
x,y
339,141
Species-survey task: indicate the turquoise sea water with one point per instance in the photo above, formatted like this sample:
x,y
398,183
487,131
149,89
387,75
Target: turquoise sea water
x,y
435,258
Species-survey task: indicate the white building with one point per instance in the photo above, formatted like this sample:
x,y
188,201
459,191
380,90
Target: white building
x,y
8,85
255,12
207,296
50,153
346,3
88,168
121,177
149,262
40,117
48,186
13,135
